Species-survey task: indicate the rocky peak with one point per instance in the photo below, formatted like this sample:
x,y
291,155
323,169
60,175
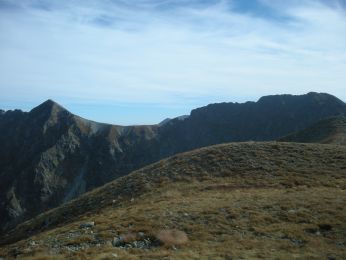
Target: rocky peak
x,y
49,106
310,95
48,114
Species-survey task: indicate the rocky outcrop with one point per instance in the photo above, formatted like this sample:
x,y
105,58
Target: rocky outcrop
x,y
49,156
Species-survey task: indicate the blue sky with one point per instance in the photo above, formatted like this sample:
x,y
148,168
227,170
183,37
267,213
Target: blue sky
x,y
138,62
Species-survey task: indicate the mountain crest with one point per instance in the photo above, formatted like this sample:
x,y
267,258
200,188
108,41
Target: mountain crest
x,y
48,109
45,153
324,98
48,105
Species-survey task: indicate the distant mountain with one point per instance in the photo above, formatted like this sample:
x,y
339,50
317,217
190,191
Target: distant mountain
x,y
165,121
49,156
327,131
270,118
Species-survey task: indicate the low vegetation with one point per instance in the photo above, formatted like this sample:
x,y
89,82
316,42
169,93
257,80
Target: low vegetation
x,y
243,200
330,130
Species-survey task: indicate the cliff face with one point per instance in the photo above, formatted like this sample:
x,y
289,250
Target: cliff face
x,y
267,119
49,156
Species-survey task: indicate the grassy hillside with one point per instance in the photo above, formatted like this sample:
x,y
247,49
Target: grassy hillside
x,y
327,131
239,200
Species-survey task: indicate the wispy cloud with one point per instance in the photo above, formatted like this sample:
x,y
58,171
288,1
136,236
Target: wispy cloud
x,y
175,54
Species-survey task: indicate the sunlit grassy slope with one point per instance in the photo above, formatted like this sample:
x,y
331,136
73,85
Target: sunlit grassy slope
x,y
234,201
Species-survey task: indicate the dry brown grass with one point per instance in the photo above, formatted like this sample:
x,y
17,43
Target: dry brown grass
x,y
250,201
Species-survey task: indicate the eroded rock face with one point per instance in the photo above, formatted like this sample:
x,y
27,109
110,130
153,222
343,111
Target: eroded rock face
x,y
49,156
270,118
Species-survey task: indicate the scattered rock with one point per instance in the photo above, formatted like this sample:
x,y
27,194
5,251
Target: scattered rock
x,y
325,227
141,234
292,211
133,240
295,241
341,244
311,230
72,234
298,242
87,224
321,229
118,241
76,247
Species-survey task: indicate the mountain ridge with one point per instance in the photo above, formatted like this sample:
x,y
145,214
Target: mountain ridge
x,y
50,155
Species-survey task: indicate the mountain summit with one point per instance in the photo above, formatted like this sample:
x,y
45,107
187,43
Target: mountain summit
x,y
49,156
49,106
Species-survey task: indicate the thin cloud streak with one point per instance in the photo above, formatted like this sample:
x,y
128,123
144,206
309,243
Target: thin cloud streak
x,y
169,53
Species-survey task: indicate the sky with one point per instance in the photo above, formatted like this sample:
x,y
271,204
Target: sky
x,y
141,61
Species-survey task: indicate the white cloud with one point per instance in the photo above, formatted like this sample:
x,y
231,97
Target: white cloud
x,y
178,56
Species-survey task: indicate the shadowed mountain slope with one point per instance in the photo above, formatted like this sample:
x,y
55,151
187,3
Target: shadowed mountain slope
x,y
269,118
327,131
238,200
49,156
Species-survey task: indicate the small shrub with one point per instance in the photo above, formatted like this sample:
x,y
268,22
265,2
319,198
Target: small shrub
x,y
172,237
129,237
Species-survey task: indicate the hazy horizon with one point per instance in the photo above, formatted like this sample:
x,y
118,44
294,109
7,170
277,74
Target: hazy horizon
x,y
93,110
139,62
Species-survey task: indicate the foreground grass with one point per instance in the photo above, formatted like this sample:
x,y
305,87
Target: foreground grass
x,y
266,200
